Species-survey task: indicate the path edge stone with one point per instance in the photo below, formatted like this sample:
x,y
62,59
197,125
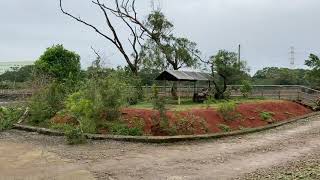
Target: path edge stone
x,y
165,139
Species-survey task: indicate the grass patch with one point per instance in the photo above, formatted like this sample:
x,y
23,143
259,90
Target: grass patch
x,y
9,116
187,104
228,111
267,116
224,128
123,129
75,136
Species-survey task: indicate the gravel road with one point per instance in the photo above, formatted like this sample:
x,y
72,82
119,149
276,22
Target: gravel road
x,y
290,151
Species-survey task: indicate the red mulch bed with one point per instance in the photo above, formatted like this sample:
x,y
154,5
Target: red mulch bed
x,y
250,115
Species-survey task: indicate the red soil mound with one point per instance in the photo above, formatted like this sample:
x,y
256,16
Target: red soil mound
x,y
249,116
64,119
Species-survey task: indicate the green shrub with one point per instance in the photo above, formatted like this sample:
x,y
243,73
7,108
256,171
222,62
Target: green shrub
x,y
9,116
59,63
184,125
117,128
228,111
224,128
208,102
134,94
83,110
317,104
267,116
246,89
61,127
98,101
137,122
74,136
160,121
45,103
227,94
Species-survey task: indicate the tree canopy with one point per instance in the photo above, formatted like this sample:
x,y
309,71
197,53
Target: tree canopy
x,y
227,69
18,75
280,76
314,74
59,63
163,50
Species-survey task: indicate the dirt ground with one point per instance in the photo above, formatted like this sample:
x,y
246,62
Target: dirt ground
x,y
264,155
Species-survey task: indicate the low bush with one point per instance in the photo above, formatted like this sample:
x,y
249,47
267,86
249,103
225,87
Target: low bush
x,y
246,89
61,127
160,121
82,109
46,102
137,122
208,102
98,102
224,127
228,111
74,135
184,126
267,116
317,104
9,116
117,128
188,125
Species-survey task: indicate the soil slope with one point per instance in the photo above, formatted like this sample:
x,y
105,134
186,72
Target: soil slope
x,y
249,115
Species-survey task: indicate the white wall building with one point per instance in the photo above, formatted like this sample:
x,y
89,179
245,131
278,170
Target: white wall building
x,y
9,66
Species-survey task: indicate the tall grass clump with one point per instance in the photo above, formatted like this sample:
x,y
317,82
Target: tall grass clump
x,y
9,116
227,111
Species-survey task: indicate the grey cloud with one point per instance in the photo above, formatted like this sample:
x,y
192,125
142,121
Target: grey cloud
x,y
265,28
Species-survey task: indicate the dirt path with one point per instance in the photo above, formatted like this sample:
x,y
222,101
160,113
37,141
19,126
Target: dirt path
x,y
28,155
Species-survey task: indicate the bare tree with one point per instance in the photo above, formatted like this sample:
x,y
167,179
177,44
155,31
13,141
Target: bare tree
x,y
156,28
125,10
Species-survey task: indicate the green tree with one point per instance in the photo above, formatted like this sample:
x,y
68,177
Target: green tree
x,y
246,89
165,51
226,68
59,63
314,75
280,76
178,53
19,75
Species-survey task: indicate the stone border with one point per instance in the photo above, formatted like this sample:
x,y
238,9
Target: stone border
x,y
165,139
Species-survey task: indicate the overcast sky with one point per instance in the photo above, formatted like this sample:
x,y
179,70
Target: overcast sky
x,y
265,28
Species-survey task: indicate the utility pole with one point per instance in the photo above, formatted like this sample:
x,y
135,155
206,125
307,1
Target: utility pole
x,y
292,57
239,56
239,53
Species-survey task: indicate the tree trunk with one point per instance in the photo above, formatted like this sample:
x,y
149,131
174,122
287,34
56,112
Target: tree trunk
x,y
220,94
174,88
174,91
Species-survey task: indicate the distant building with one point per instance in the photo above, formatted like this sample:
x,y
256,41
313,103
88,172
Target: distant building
x,y
9,66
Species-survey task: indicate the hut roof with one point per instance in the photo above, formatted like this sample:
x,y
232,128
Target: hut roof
x,y
171,75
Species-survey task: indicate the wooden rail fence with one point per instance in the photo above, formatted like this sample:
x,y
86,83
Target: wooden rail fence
x,y
285,92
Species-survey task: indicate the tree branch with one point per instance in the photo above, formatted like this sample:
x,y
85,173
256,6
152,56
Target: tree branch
x,y
85,23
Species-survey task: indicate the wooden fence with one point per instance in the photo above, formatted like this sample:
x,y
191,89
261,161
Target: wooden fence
x,y
286,92
16,94
281,92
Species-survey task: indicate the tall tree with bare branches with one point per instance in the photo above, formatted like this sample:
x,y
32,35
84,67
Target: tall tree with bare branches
x,y
126,12
156,28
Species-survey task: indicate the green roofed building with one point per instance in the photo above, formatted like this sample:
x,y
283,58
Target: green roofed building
x,y
11,65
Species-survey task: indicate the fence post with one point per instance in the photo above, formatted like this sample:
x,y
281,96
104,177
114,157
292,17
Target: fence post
x,y
279,94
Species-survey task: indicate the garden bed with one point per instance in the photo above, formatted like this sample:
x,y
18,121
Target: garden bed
x,y
209,120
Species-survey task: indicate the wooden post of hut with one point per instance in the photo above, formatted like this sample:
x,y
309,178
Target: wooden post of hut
x,y
179,93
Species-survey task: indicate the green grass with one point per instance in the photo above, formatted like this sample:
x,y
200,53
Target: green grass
x,y
187,104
